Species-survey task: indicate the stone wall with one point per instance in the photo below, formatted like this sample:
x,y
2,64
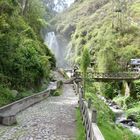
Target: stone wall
x,y
8,112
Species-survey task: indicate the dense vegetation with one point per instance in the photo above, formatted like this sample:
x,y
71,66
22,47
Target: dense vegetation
x,y
25,62
103,33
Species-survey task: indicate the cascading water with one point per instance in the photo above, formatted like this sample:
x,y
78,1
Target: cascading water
x,y
56,44
56,49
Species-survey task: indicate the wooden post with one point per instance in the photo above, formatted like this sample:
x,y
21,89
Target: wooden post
x,y
77,87
94,116
89,103
82,92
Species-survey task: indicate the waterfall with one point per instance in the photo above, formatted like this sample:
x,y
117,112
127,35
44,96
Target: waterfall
x,y
58,44
57,49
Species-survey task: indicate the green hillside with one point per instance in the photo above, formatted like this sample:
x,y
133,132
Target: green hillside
x,y
97,25
25,62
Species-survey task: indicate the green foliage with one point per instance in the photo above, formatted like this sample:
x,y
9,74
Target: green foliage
x,y
25,62
109,90
85,60
5,96
110,49
34,14
106,59
137,85
130,52
28,62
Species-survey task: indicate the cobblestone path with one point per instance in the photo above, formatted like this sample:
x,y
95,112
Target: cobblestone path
x,y
51,119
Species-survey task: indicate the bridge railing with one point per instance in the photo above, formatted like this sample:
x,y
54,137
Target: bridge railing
x,y
123,75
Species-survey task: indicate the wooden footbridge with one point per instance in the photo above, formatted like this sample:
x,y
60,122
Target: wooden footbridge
x,y
108,76
127,76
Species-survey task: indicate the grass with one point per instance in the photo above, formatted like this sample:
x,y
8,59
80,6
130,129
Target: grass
x,y
116,132
80,131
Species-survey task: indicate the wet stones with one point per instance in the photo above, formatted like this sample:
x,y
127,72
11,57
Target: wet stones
x,y
129,122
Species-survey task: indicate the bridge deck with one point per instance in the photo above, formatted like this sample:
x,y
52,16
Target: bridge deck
x,y
114,76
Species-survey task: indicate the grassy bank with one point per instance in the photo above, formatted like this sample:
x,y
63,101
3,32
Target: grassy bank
x,y
80,131
106,118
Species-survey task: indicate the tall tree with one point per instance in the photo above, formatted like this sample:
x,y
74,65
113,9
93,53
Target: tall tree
x,y
85,62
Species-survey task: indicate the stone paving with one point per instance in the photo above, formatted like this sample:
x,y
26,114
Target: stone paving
x,y
51,119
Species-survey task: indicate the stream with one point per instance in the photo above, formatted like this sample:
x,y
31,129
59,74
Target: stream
x,y
121,116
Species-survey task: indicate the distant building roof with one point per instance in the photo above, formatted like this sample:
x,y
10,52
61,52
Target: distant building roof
x,y
135,61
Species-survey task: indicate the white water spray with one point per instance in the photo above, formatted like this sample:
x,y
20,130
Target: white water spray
x,y
57,48
51,41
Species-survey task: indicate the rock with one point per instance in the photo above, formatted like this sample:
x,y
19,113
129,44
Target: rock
x,y
131,123
116,107
126,121
14,93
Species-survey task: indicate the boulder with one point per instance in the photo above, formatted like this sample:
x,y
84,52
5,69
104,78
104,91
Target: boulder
x,y
14,93
131,124
126,121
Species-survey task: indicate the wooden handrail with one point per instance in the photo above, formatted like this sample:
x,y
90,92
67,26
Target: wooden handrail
x,y
90,121
89,117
